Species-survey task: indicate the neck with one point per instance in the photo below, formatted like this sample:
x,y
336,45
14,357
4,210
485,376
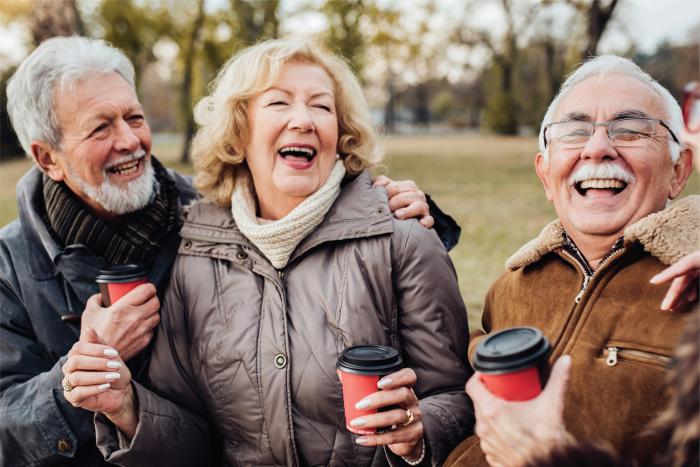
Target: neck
x,y
275,209
594,247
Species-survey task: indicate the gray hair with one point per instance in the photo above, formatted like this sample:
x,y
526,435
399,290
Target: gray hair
x,y
57,64
613,65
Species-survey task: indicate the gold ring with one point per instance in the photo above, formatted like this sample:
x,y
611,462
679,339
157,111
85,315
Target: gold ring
x,y
409,418
67,387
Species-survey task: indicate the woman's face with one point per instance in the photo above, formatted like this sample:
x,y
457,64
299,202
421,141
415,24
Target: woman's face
x,y
293,135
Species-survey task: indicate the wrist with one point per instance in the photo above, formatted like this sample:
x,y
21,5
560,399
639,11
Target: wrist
x,y
125,418
417,455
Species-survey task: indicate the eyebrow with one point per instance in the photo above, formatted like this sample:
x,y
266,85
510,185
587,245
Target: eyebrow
x,y
629,114
316,94
576,117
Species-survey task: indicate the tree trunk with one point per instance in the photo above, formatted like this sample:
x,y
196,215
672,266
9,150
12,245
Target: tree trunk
x,y
187,81
52,18
597,19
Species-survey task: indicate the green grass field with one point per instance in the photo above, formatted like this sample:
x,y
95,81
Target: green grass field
x,y
487,183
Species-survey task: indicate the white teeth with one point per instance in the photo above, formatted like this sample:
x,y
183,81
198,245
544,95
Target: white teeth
x,y
602,183
308,151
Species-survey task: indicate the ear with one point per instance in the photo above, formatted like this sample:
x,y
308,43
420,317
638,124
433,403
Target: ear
x,y
542,169
681,172
47,159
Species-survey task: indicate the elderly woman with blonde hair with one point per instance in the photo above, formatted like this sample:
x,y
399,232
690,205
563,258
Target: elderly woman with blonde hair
x,y
292,257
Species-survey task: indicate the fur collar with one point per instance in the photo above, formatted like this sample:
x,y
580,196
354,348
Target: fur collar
x,y
668,235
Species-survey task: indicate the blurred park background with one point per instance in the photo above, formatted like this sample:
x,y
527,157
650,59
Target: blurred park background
x,y
457,87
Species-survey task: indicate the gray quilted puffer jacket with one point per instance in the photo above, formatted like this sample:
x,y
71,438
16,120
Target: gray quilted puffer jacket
x,y
248,352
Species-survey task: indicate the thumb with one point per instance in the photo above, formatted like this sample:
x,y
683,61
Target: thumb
x,y
89,335
558,380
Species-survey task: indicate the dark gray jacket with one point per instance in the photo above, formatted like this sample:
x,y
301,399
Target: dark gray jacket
x,y
249,352
43,290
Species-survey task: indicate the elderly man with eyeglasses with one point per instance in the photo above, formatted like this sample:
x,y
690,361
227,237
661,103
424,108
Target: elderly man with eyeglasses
x,y
609,161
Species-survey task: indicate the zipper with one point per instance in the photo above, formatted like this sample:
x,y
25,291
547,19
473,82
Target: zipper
x,y
587,277
615,354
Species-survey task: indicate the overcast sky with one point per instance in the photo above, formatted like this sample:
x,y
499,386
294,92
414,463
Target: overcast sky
x,y
646,22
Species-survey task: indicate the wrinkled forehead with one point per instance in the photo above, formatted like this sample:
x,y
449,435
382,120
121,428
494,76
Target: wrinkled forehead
x,y
601,98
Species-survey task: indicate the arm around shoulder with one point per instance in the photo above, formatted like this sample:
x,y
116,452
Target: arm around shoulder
x,y
434,335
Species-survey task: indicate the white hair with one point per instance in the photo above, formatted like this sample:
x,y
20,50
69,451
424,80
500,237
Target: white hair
x,y
57,64
613,65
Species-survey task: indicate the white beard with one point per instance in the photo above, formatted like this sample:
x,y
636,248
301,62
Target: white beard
x,y
114,199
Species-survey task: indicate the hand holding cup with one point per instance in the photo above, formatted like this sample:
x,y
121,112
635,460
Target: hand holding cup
x,y
397,421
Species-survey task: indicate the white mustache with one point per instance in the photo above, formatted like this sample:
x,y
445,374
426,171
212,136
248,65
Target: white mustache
x,y
138,154
603,170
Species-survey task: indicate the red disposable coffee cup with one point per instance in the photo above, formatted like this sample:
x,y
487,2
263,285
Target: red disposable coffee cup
x,y
513,362
360,369
116,281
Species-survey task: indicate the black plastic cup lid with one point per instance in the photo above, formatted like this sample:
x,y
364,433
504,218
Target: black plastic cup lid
x,y
370,360
510,350
120,273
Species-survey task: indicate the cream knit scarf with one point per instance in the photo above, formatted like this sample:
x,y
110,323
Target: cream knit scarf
x,y
278,239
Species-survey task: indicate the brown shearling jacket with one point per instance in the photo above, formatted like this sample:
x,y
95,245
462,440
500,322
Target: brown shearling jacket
x,y
248,352
620,342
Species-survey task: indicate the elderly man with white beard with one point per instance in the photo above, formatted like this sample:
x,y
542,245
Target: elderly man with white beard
x,y
609,161
96,197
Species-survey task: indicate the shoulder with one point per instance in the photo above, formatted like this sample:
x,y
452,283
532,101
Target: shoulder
x,y
186,192
410,238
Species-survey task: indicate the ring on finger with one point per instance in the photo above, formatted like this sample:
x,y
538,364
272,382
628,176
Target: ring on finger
x,y
67,386
409,418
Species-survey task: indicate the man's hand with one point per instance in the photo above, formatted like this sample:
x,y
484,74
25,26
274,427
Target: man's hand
x,y
513,433
128,324
406,200
684,287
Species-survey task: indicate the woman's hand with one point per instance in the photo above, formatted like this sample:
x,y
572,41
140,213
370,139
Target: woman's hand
x,y
403,423
96,379
685,275
406,201
514,433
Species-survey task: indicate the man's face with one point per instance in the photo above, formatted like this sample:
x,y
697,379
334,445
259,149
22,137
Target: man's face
x,y
637,180
105,151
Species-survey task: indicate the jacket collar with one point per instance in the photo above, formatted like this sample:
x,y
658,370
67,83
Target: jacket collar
x,y
359,211
668,235
30,204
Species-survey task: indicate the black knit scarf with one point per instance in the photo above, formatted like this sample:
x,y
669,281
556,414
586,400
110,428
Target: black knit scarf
x,y
131,238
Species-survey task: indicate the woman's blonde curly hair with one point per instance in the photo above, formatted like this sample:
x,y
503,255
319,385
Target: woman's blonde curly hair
x,y
217,149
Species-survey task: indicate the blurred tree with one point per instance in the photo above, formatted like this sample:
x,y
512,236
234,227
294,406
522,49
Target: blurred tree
x,y
344,35
9,144
191,48
597,14
55,18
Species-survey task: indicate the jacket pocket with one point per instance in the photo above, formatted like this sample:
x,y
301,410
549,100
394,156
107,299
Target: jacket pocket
x,y
616,352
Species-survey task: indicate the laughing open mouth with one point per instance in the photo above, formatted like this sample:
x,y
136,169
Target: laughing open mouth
x,y
297,153
609,184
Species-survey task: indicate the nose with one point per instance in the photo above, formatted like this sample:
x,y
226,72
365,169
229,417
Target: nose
x,y
300,119
599,147
126,139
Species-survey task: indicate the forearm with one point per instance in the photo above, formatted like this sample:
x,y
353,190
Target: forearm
x,y
37,425
165,434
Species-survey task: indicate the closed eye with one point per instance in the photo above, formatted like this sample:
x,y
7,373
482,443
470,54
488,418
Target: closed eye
x,y
99,129
324,107
274,103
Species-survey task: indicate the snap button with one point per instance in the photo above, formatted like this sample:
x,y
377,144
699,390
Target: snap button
x,y
187,245
280,361
63,445
240,254
380,211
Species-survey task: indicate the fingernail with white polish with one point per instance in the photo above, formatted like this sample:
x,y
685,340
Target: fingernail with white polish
x,y
358,422
362,440
363,404
102,387
113,364
110,352
384,383
112,376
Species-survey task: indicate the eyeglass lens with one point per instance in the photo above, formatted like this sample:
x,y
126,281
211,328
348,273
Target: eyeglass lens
x,y
630,132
